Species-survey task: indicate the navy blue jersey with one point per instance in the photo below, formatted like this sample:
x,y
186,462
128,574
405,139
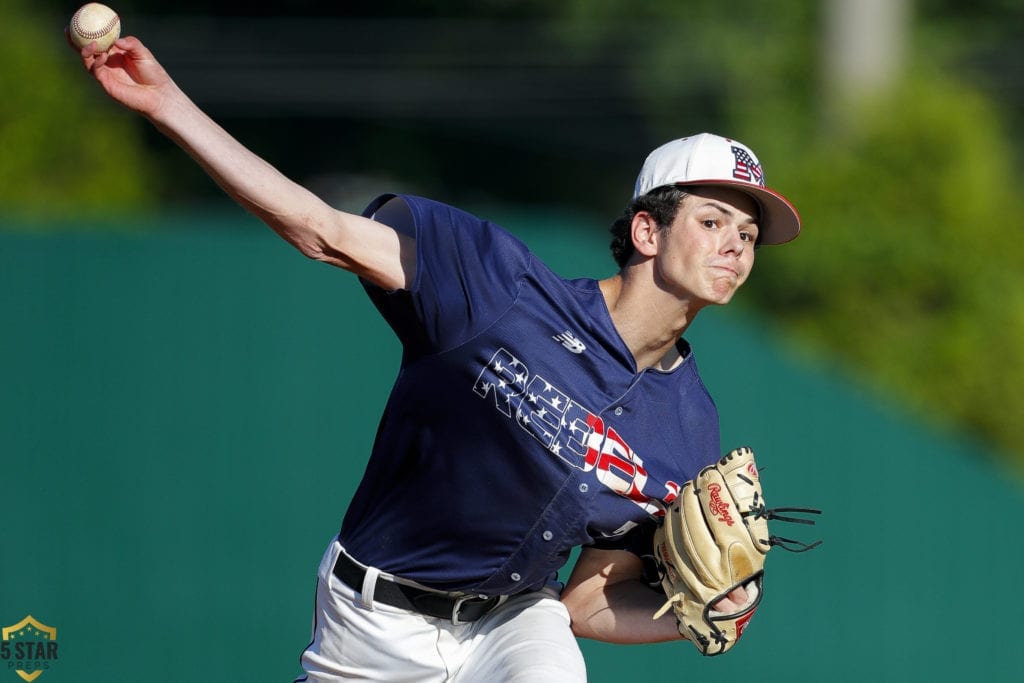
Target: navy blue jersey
x,y
518,427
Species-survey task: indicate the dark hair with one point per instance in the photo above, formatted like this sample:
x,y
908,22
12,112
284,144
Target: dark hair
x,y
662,203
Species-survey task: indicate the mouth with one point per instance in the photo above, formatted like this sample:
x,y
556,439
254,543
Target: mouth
x,y
728,269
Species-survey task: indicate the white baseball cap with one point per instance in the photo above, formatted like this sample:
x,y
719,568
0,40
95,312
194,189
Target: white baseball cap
x,y
708,159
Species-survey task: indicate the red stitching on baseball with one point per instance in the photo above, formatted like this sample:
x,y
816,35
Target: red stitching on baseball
x,y
98,33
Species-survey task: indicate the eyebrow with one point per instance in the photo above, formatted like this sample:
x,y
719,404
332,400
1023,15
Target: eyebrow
x,y
726,210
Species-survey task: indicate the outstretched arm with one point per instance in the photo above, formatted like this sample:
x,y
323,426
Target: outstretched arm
x,y
132,76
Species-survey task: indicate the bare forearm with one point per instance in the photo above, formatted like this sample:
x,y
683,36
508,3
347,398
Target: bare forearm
x,y
622,613
608,601
291,210
132,76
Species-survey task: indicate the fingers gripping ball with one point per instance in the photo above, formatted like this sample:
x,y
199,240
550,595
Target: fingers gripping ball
x,y
94,22
713,540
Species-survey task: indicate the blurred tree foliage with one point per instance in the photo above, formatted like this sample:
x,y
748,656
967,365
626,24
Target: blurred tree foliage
x,y
910,267
62,154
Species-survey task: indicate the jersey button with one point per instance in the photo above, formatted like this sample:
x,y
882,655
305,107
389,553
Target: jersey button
x,y
547,535
584,488
618,411
515,576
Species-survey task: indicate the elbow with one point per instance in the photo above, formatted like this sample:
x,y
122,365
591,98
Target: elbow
x,y
317,251
308,234
578,615
579,629
314,250
322,237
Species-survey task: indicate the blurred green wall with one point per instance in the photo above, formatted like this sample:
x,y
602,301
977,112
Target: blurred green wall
x,y
185,411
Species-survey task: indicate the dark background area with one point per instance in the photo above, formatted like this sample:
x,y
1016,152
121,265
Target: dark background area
x,y
490,101
468,102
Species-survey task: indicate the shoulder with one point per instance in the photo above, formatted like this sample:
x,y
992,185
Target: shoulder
x,y
443,233
420,212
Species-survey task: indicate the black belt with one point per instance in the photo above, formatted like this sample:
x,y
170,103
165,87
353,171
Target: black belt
x,y
457,608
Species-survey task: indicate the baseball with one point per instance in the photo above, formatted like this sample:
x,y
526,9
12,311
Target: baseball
x,y
94,22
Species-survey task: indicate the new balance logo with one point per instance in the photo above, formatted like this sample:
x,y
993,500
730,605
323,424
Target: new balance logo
x,y
570,342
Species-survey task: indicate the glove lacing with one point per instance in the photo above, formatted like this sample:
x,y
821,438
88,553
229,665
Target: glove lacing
x,y
759,511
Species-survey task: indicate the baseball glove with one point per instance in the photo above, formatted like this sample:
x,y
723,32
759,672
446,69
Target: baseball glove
x,y
714,538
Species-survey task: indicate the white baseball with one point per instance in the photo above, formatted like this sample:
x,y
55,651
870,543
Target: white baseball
x,y
94,22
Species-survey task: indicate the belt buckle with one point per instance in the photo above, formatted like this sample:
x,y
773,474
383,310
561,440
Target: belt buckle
x,y
459,602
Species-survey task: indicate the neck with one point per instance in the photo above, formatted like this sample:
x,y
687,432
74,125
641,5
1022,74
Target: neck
x,y
649,322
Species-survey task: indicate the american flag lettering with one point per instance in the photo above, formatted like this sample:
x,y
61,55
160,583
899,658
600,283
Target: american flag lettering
x,y
746,168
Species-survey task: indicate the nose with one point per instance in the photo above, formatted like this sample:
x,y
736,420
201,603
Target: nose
x,y
732,242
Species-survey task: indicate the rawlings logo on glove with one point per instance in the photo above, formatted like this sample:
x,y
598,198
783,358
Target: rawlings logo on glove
x,y
714,540
719,507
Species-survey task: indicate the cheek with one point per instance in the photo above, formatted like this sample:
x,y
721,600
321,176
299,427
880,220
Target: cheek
x,y
747,260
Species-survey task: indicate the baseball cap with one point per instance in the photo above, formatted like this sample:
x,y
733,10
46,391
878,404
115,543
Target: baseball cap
x,y
708,159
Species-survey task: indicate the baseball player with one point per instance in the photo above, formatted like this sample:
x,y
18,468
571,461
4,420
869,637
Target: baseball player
x,y
531,415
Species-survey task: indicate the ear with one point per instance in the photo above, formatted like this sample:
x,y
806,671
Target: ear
x,y
644,232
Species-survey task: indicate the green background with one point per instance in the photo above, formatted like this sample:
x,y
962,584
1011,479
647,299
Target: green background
x,y
186,410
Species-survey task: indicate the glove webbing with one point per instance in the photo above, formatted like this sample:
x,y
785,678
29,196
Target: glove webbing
x,y
758,510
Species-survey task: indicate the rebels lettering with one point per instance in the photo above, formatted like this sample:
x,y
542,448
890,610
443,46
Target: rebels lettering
x,y
567,429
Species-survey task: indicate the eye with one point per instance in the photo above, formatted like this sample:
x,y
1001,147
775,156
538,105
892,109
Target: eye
x,y
748,236
709,223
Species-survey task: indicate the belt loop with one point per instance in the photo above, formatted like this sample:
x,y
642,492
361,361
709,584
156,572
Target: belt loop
x,y
369,588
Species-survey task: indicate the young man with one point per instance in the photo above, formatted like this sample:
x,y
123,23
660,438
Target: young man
x,y
532,414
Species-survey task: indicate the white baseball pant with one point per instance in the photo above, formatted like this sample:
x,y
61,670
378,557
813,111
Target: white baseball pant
x,y
525,640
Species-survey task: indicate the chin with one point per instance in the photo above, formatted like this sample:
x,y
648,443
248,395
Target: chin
x,y
721,298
